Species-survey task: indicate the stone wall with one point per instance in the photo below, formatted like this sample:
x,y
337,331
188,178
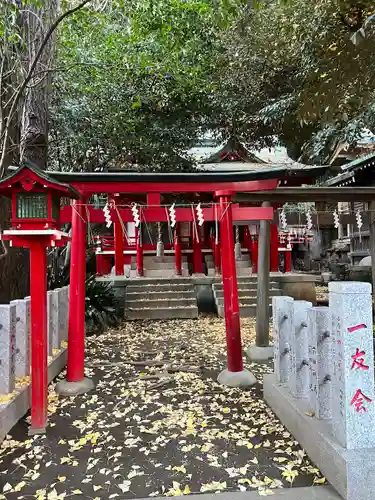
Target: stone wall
x,y
15,352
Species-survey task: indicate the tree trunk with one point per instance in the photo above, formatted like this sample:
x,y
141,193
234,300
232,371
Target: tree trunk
x,y
34,127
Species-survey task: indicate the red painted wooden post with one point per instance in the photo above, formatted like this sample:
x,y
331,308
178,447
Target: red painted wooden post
x,y
39,360
288,261
119,249
247,240
217,257
274,254
99,264
107,264
206,235
178,253
139,252
76,332
254,254
228,269
197,249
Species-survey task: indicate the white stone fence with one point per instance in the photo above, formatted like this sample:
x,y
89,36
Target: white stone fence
x,y
15,352
324,356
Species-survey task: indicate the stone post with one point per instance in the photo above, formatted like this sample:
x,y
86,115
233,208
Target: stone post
x,y
62,314
299,366
320,361
263,284
282,310
7,348
55,313
22,337
159,244
49,322
353,409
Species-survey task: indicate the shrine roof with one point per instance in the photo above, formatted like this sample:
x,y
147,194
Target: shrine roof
x,y
350,171
28,172
268,171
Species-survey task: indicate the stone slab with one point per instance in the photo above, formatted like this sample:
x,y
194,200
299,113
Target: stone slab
x,y
8,321
160,303
23,328
55,320
15,409
165,295
312,493
299,350
183,313
320,361
283,319
350,472
172,287
353,410
50,325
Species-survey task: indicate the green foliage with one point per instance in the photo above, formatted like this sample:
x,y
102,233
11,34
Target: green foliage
x,y
102,306
299,74
138,84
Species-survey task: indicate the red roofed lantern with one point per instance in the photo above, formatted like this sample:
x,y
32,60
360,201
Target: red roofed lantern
x,y
35,225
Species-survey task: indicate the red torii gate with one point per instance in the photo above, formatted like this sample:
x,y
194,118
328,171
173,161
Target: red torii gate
x,y
222,191
83,185
79,212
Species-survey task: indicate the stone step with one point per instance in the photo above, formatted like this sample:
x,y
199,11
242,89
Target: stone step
x,y
170,286
161,303
239,263
252,285
247,293
162,265
245,311
210,258
163,295
162,313
242,272
160,273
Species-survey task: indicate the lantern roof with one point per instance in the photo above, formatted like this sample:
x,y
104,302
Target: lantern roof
x,y
28,175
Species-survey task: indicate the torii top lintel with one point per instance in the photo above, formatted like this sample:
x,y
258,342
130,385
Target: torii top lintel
x,y
262,178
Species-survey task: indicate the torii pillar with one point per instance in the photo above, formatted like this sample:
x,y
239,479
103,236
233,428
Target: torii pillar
x,y
262,351
76,382
235,375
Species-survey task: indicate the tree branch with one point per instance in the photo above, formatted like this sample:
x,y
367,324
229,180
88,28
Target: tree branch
x,y
29,76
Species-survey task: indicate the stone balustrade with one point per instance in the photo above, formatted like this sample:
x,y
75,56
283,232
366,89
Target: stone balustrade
x,y
323,385
15,352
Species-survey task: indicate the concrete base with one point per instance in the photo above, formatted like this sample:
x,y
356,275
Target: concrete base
x,y
36,432
17,407
236,379
309,493
350,472
259,354
65,388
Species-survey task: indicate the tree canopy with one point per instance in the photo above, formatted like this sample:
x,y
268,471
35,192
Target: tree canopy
x,y
135,83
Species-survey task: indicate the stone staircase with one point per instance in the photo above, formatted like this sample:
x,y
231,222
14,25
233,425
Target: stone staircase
x,y
175,298
247,295
159,267
243,266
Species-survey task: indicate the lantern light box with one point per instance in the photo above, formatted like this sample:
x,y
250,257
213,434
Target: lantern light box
x,y
35,198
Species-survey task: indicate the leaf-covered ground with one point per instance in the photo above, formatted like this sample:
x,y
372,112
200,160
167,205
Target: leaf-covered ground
x,y
138,436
